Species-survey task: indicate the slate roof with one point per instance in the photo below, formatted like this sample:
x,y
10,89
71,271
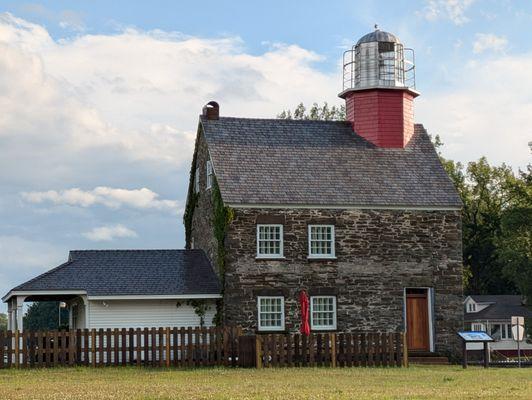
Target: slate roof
x,y
277,161
502,307
130,272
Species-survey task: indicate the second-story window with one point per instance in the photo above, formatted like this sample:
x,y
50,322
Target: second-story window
x,y
196,181
270,241
209,174
321,241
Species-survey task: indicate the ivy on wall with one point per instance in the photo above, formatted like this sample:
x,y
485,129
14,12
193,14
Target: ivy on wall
x,y
191,203
222,217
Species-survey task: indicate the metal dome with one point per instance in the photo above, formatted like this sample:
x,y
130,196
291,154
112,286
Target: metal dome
x,y
379,36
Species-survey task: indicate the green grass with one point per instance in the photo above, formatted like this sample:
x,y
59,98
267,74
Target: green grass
x,y
433,382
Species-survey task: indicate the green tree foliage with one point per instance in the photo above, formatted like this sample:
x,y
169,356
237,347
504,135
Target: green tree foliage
x,y
316,112
3,322
44,315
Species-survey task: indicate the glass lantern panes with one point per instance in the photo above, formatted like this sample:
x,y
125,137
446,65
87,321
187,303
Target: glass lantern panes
x,y
321,241
271,313
269,240
323,312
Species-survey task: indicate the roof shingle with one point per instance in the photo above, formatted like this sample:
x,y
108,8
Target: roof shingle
x,y
294,162
130,272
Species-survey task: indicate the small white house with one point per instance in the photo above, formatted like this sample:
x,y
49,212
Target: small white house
x,y
125,289
492,314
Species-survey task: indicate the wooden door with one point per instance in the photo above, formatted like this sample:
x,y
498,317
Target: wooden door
x,y
417,320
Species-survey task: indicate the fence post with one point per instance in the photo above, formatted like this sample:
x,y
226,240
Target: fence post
x,y
405,350
17,349
167,334
333,350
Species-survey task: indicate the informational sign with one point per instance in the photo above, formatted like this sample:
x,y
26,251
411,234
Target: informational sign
x,y
475,336
518,328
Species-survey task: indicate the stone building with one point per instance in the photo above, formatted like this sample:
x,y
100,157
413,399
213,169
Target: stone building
x,y
360,214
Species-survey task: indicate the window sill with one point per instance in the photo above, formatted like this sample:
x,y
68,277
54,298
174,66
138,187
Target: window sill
x,y
269,258
321,330
320,258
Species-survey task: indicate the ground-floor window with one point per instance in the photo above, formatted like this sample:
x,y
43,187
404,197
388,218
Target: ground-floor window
x,y
322,312
270,313
501,331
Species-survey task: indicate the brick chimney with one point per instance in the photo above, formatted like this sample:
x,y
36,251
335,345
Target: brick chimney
x,y
379,89
211,110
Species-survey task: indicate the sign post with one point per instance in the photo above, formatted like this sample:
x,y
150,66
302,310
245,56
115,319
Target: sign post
x,y
475,337
518,334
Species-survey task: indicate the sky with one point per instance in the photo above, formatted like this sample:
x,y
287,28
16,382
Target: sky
x,y
99,101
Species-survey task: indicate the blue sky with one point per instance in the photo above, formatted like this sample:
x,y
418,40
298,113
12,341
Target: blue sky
x,y
100,100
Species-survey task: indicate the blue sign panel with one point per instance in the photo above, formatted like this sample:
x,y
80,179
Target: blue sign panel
x,y
475,336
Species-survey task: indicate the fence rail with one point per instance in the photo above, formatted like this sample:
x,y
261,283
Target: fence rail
x,y
164,347
367,349
193,347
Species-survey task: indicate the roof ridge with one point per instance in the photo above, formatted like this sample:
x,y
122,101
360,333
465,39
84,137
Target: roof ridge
x,y
131,250
278,119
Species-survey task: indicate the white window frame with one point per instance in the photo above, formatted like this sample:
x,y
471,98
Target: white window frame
x,y
196,180
479,325
209,174
315,327
333,239
270,328
471,307
281,241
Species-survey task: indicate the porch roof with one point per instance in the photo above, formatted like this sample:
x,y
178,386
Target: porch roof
x,y
127,274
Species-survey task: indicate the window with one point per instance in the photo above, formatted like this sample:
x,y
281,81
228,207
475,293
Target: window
x,y
323,312
269,241
501,331
196,181
477,327
471,307
271,313
321,241
209,174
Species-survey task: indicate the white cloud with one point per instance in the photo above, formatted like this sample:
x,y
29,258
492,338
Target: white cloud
x,y
133,96
489,41
484,112
108,233
453,10
109,197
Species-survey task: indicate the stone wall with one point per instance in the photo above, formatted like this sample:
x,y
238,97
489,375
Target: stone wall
x,y
202,226
379,253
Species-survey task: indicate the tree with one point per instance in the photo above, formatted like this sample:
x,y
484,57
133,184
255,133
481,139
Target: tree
x,y
316,112
514,247
3,322
44,315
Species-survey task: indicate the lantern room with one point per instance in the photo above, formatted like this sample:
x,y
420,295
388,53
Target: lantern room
x,y
378,59
379,89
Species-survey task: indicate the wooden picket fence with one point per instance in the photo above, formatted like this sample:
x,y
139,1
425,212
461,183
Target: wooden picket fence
x,y
157,347
366,349
195,347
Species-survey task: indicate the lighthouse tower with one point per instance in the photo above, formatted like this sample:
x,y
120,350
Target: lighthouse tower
x,y
379,89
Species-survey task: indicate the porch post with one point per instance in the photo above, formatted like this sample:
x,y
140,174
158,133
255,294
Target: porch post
x,y
20,312
9,315
87,311
70,316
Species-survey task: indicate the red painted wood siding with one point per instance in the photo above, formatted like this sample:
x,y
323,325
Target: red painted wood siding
x,y
383,117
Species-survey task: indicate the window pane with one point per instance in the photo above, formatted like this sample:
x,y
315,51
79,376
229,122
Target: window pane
x,y
323,313
269,239
321,240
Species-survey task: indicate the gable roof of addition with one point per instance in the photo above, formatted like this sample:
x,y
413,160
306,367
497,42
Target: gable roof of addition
x,y
500,307
289,162
130,273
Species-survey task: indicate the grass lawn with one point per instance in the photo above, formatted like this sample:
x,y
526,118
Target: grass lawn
x,y
432,382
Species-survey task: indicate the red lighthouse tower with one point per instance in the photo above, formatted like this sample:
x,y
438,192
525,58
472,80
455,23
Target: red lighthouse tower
x,y
379,89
